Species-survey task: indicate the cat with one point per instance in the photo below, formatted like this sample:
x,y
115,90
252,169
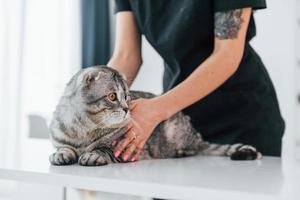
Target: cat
x,y
93,111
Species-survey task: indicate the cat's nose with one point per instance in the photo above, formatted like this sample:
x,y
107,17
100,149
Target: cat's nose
x,y
125,110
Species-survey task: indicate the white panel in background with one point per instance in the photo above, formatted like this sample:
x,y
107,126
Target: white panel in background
x,y
151,73
298,76
30,191
77,194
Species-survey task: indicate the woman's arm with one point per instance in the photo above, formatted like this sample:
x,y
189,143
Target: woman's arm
x,y
230,33
127,53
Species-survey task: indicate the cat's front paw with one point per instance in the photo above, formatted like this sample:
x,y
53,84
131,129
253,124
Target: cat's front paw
x,y
94,158
63,156
246,152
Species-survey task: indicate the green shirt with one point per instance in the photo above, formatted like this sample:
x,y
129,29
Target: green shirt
x,y
245,108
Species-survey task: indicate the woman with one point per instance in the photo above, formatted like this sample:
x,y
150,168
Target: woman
x,y
211,72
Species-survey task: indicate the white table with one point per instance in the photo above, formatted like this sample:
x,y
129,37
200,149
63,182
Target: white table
x,y
187,178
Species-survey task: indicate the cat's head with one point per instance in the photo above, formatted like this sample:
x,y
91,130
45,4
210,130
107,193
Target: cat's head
x,y
104,96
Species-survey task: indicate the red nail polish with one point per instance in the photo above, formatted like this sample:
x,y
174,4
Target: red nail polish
x,y
125,157
117,153
114,143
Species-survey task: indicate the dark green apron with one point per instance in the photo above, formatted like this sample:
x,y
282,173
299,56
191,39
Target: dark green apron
x,y
245,108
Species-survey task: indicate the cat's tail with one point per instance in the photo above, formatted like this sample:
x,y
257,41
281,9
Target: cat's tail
x,y
234,151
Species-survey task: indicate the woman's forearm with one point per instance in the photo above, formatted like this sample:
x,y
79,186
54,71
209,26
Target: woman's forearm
x,y
127,65
224,61
205,79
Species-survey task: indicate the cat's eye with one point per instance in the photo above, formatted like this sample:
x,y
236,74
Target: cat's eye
x,y
112,96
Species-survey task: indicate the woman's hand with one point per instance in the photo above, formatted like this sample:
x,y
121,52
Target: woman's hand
x,y
146,114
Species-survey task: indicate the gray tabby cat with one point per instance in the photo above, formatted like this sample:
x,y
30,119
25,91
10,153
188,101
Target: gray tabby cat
x,y
93,112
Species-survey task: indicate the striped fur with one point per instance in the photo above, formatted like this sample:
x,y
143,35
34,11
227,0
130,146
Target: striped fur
x,y
85,123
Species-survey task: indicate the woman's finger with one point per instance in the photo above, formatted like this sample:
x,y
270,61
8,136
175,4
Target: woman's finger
x,y
128,128
138,151
123,144
113,144
129,151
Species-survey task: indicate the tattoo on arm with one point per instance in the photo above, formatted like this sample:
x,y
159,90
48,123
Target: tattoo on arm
x,y
228,24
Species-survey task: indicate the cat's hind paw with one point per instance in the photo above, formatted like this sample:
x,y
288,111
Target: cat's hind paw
x,y
246,152
94,158
63,156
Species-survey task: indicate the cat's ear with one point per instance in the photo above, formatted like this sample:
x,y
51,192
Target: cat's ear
x,y
89,79
92,77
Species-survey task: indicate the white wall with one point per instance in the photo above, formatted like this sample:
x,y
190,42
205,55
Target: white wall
x,y
151,73
297,44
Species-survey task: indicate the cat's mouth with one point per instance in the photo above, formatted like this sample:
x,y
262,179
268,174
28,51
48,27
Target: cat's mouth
x,y
122,115
116,120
